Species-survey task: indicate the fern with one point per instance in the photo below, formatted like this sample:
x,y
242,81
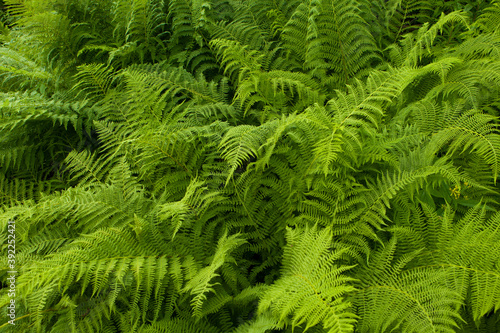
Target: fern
x,y
393,298
200,284
250,166
140,22
330,39
488,21
310,296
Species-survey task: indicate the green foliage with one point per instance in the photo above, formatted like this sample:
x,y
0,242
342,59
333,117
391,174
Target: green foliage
x,y
330,40
251,166
311,285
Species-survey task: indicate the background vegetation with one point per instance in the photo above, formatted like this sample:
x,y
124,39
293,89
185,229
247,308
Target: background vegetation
x,y
251,166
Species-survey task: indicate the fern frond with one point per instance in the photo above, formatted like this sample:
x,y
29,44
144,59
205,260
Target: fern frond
x,y
468,252
488,20
330,39
201,283
17,71
312,286
188,19
87,168
93,81
244,31
403,16
460,131
140,22
426,36
412,300
178,326
191,208
236,58
262,323
241,143
346,118
142,273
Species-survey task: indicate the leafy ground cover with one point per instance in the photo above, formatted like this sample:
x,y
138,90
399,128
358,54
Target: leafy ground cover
x,y
250,166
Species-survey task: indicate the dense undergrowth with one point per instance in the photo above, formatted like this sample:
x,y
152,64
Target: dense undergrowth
x,y
250,166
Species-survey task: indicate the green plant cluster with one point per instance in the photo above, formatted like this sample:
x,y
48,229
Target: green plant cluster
x,y
237,166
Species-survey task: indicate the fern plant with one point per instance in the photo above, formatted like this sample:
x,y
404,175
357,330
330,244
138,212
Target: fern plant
x,y
250,166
